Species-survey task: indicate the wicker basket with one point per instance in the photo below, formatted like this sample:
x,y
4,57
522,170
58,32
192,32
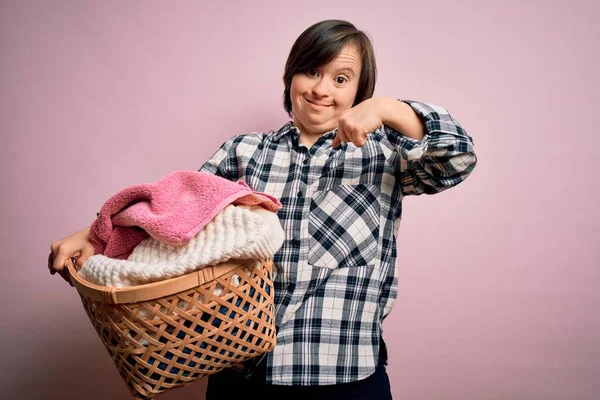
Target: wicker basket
x,y
170,333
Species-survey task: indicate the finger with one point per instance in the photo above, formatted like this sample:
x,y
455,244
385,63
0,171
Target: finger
x,y
355,135
66,272
50,263
359,138
350,132
86,253
61,257
342,134
53,250
336,141
66,276
59,263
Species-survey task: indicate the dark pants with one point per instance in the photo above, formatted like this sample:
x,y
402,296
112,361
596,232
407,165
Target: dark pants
x,y
228,384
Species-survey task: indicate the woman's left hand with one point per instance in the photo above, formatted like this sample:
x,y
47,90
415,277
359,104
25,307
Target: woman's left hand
x,y
356,123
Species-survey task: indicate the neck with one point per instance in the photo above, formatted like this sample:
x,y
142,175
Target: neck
x,y
308,138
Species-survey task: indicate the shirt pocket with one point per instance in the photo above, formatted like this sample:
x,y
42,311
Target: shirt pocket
x,y
343,226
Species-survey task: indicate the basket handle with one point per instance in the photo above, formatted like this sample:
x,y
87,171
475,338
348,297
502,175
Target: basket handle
x,y
149,291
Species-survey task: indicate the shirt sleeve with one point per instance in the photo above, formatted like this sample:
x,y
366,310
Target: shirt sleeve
x,y
442,159
223,162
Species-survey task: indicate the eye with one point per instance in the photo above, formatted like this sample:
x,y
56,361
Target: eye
x,y
340,80
312,72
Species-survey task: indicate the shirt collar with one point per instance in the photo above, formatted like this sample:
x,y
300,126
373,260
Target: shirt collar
x,y
290,129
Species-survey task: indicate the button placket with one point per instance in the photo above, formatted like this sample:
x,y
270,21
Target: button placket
x,y
303,195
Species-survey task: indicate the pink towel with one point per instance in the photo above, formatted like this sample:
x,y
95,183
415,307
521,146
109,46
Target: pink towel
x,y
172,210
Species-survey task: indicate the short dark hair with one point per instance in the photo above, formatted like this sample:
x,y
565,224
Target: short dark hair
x,y
321,43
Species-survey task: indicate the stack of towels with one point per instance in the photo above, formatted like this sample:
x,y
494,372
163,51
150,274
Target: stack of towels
x,y
186,221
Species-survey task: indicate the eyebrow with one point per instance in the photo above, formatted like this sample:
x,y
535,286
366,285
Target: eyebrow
x,y
347,70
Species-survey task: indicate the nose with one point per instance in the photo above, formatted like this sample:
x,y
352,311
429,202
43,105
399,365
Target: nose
x,y
320,88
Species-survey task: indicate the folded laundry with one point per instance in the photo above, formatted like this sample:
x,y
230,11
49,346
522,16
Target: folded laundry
x,y
173,210
237,232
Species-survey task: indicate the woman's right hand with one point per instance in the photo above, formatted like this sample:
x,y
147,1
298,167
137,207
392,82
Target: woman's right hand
x,y
75,246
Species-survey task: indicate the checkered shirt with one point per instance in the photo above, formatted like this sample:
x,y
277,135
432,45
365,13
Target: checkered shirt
x,y
336,271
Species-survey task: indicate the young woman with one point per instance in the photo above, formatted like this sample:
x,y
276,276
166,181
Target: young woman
x,y
340,168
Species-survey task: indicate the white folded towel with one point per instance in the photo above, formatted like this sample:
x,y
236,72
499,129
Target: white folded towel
x,y
237,232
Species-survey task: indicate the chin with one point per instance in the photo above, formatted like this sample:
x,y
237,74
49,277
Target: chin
x,y
316,126
318,120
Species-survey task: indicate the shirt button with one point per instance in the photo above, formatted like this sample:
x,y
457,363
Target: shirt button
x,y
290,287
305,161
300,193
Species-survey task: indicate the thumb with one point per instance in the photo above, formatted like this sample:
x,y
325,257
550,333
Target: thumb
x,y
86,253
336,141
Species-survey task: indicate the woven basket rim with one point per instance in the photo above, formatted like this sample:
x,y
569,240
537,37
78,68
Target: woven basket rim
x,y
154,290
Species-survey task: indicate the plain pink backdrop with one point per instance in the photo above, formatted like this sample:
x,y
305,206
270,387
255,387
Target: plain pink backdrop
x,y
499,279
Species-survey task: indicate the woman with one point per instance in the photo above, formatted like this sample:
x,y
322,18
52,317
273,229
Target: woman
x,y
340,168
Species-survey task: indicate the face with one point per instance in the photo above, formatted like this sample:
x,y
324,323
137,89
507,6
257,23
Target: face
x,y
320,95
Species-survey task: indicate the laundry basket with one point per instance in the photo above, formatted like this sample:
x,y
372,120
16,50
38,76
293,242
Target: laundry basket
x,y
167,334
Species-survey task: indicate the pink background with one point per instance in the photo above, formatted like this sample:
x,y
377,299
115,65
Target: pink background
x,y
499,277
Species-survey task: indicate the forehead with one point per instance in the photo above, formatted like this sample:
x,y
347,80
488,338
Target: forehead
x,y
349,58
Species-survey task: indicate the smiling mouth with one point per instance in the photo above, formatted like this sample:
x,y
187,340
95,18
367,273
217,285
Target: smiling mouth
x,y
316,104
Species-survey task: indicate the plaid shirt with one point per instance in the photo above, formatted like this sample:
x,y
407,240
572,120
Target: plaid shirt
x,y
336,271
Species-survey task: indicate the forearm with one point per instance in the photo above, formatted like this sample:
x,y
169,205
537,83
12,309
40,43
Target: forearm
x,y
440,159
402,118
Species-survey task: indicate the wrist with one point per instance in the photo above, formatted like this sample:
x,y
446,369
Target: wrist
x,y
401,117
388,108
